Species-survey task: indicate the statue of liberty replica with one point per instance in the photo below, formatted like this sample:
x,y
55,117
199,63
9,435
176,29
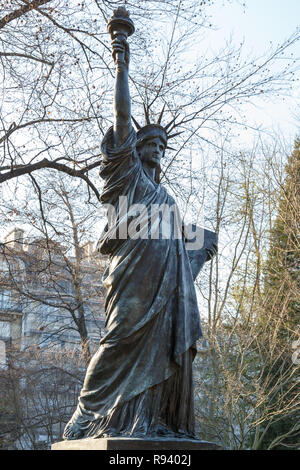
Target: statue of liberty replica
x,y
139,383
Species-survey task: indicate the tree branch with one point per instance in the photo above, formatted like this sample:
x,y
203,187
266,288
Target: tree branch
x,y
21,11
27,169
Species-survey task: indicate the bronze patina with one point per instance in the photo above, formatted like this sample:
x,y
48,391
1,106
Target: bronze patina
x,y
139,383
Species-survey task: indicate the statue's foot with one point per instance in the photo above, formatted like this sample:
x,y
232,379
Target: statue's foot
x,y
164,431
72,431
76,427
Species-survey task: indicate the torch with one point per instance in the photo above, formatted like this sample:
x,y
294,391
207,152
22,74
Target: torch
x,y
120,26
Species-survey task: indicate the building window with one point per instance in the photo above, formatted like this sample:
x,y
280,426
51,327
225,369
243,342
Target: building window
x,y
2,355
5,299
4,329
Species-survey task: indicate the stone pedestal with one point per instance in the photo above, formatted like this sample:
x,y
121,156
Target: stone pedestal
x,y
117,443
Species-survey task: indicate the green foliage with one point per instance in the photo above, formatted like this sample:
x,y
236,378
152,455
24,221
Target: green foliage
x,y
282,304
283,267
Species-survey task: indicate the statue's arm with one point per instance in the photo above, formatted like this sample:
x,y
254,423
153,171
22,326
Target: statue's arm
x,y
122,104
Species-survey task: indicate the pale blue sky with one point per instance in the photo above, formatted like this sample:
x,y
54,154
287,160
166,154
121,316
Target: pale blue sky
x,y
259,23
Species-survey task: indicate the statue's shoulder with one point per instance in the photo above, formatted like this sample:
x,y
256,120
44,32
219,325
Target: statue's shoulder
x,y
111,151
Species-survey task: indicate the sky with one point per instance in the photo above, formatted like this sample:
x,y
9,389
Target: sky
x,y
259,23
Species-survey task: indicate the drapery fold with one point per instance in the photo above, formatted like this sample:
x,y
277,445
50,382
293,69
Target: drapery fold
x,y
152,318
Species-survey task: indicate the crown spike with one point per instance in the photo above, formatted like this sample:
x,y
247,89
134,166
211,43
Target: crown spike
x,y
171,122
161,114
174,135
146,111
137,125
172,127
170,148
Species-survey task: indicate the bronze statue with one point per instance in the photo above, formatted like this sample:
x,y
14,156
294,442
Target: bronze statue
x,y
139,383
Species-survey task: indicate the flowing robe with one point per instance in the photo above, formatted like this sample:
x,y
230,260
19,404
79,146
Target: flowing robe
x,y
139,383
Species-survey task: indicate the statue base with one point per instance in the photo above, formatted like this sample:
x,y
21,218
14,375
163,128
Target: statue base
x,y
124,443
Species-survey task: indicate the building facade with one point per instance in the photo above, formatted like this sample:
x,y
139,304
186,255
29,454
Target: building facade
x,y
51,315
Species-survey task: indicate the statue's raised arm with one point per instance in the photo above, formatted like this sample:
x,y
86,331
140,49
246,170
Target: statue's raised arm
x,y
120,27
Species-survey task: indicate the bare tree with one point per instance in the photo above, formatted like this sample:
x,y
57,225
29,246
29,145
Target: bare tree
x,y
39,388
56,271
56,88
57,73
239,397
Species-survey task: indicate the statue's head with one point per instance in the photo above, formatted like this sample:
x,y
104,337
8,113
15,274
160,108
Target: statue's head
x,y
151,145
152,131
152,140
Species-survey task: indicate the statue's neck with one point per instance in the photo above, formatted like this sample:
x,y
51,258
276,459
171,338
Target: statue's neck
x,y
150,170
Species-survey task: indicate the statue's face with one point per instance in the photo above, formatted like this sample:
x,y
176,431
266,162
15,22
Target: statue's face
x,y
152,151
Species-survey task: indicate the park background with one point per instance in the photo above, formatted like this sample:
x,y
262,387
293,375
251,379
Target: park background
x,y
229,72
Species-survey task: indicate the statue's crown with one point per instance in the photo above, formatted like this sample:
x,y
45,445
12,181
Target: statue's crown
x,y
155,129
